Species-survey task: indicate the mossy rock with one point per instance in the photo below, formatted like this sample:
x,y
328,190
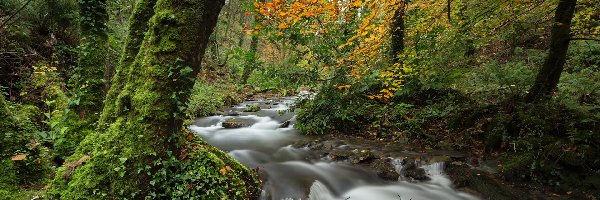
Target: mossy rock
x,y
199,171
252,108
214,174
482,182
238,123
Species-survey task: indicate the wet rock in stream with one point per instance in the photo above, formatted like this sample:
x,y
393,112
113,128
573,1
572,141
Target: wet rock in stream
x,y
285,124
238,123
384,169
412,171
361,156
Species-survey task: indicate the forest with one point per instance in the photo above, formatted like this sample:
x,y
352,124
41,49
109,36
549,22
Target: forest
x,y
300,99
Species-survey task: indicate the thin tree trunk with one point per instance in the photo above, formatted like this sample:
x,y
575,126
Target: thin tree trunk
x,y
250,67
397,41
549,75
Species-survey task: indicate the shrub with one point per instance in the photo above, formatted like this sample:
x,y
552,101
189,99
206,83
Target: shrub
x,y
205,100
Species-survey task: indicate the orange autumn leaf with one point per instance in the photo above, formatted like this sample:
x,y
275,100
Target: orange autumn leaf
x,y
282,26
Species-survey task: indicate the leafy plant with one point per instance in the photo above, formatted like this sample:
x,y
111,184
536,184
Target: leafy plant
x,y
204,100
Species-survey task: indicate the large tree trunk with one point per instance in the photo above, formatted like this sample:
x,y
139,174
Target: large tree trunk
x,y
549,75
141,151
92,56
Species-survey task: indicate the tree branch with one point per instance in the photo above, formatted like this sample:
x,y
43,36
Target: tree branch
x,y
14,14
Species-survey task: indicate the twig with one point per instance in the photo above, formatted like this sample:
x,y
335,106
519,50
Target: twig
x,y
14,14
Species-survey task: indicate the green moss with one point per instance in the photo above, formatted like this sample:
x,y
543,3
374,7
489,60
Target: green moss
x,y
18,125
138,26
252,108
209,173
8,177
88,75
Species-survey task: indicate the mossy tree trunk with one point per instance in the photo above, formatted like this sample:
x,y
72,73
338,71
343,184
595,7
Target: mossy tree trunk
x,y
251,66
138,26
92,56
139,151
549,75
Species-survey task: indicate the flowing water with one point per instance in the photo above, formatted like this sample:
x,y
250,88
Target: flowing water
x,y
298,173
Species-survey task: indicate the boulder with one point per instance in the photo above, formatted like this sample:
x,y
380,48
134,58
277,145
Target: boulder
x,y
384,169
362,156
412,171
285,124
237,123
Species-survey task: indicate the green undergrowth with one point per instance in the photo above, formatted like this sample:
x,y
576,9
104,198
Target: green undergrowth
x,y
337,110
204,100
25,163
198,171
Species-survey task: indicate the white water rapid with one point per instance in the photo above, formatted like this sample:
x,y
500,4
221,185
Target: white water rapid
x,y
297,173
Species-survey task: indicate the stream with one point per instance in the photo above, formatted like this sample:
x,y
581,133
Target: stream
x,y
265,140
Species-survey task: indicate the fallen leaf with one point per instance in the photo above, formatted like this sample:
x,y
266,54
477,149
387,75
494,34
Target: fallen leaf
x,y
19,157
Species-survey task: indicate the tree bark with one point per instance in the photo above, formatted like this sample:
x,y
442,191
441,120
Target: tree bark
x,y
549,75
397,41
143,150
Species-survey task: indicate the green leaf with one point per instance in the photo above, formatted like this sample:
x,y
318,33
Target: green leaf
x,y
185,71
63,130
53,124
